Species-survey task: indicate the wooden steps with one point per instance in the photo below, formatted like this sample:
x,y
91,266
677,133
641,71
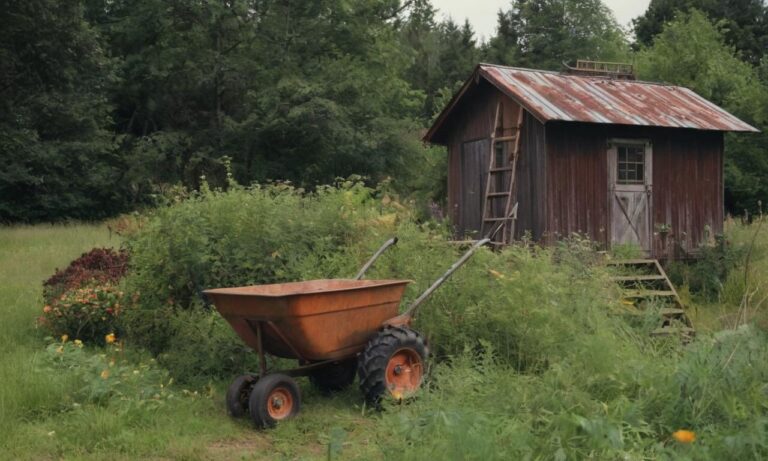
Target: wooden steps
x,y
647,281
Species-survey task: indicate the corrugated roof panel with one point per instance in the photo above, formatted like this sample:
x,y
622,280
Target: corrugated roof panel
x,y
553,96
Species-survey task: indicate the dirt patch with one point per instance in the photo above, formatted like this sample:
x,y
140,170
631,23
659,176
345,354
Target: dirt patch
x,y
254,446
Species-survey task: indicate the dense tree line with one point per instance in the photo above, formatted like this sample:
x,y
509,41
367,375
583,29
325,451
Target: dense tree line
x,y
105,103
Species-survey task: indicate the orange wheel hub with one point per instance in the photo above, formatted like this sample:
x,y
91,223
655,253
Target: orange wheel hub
x,y
404,372
279,403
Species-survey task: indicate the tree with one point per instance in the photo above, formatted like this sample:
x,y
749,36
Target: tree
x,y
442,53
57,152
744,22
691,51
545,33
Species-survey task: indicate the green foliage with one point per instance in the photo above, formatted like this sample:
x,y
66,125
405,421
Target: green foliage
x,y
262,234
622,404
743,21
59,159
108,376
203,347
543,34
275,234
691,52
707,275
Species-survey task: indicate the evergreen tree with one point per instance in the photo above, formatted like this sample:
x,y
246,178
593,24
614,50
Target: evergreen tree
x,y
744,22
543,34
56,149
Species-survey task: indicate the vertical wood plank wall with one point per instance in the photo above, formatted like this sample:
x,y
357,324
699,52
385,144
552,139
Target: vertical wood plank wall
x,y
472,124
687,183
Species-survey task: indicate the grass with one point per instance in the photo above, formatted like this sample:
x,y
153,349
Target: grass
x,y
604,400
40,420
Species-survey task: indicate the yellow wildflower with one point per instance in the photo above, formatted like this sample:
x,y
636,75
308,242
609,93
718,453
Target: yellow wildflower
x,y
105,374
684,436
496,274
60,349
64,338
110,338
78,343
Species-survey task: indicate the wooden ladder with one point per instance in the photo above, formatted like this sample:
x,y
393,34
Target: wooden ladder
x,y
648,280
499,222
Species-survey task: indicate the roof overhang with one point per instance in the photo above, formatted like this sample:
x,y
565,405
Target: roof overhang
x,y
551,96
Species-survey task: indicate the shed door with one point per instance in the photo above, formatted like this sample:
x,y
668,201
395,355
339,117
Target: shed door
x,y
474,170
629,167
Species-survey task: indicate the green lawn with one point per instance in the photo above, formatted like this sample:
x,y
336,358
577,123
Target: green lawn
x,y
40,419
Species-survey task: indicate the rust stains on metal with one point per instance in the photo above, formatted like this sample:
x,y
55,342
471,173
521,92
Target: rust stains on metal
x,y
552,96
574,98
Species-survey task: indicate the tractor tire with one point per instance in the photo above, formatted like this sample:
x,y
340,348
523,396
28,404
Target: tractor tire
x,y
334,377
393,363
274,398
238,394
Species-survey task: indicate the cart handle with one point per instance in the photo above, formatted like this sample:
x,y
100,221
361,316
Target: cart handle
x,y
375,256
410,313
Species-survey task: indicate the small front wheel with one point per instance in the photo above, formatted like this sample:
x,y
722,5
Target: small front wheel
x,y
392,364
238,394
274,398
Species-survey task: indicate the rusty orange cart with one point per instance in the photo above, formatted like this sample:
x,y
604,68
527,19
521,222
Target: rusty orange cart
x,y
335,329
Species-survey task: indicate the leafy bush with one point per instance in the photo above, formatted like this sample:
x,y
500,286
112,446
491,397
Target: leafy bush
x,y
526,303
262,234
204,347
100,265
108,376
88,313
709,272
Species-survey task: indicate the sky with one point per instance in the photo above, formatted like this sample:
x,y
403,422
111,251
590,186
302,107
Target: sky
x,y
482,13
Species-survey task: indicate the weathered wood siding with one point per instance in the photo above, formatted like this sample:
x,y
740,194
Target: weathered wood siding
x,y
687,183
531,180
468,157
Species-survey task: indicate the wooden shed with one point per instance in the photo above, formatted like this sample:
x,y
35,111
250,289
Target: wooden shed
x,y
549,154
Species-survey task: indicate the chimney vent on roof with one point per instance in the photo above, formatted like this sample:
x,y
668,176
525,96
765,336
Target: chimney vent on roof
x,y
601,69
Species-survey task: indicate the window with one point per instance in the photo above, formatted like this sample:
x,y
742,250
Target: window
x,y
630,164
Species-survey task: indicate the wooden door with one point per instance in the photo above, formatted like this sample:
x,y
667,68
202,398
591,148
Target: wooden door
x,y
630,192
474,170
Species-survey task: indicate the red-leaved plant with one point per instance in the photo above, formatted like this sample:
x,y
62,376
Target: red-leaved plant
x,y
83,300
100,265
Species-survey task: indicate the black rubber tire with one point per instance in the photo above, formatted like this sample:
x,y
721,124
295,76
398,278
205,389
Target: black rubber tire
x,y
259,402
238,394
372,363
334,377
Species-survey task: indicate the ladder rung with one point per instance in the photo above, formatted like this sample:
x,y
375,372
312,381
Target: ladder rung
x,y
672,311
497,219
505,138
499,170
498,194
636,278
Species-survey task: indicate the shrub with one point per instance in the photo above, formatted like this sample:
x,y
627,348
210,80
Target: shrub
x,y
100,265
204,347
108,376
88,313
262,234
709,272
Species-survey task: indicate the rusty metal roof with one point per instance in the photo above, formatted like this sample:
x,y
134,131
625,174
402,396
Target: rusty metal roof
x,y
551,96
